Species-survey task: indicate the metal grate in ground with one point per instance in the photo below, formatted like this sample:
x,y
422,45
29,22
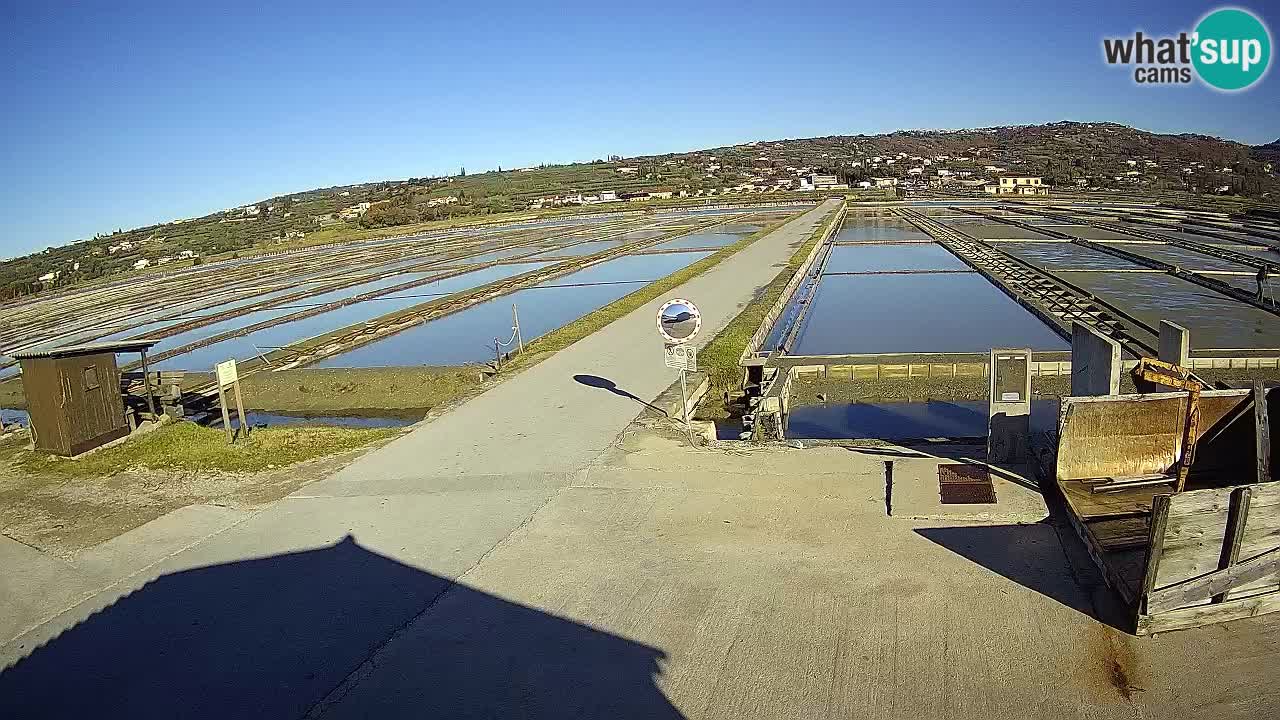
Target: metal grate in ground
x,y
963,484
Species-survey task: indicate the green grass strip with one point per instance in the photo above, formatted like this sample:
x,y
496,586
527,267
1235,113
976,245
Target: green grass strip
x,y
187,446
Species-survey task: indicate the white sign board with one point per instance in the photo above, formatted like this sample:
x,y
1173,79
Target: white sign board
x,y
679,321
226,371
681,357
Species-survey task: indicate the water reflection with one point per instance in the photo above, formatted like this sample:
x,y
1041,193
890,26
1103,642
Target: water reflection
x,y
1064,255
1215,320
899,256
904,420
467,336
879,230
954,312
262,341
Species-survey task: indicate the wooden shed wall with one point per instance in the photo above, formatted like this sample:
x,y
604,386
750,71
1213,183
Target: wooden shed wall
x,y
42,384
74,402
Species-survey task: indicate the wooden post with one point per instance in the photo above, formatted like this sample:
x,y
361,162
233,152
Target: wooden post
x,y
1237,514
146,380
244,424
226,416
515,319
1155,547
1190,430
1262,434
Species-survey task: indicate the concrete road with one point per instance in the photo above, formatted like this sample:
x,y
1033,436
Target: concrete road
x,y
659,582
521,557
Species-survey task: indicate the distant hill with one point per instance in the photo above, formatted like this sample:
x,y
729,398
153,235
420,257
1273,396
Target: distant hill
x,y
1062,152
1268,153
1093,155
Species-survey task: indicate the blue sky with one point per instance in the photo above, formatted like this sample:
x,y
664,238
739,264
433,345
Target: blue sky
x,y
123,114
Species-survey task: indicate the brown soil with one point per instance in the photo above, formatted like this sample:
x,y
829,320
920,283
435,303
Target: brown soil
x,y
64,515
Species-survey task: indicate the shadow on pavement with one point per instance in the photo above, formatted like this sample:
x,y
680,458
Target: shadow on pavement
x,y
274,636
1031,555
596,381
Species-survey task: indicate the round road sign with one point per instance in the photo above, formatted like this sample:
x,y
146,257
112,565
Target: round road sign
x,y
679,321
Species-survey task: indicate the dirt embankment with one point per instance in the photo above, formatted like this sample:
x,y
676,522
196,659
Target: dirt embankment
x,y
806,388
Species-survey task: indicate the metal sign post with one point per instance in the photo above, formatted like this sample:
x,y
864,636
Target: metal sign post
x,y
679,321
684,406
228,376
685,359
1009,407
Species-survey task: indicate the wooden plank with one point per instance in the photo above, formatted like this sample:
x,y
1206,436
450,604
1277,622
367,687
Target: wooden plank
x,y
1126,567
226,416
1155,547
1130,435
146,380
1198,589
1109,485
1206,614
1121,533
1262,431
244,425
1113,579
1197,528
1237,515
1089,505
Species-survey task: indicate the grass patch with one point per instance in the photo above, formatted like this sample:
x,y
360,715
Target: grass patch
x,y
187,446
719,359
597,319
346,390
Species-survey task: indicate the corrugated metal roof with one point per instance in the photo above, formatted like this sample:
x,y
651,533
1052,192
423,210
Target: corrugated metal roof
x,y
85,349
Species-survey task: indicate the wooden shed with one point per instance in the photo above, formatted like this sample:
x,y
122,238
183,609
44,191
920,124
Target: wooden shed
x,y
73,394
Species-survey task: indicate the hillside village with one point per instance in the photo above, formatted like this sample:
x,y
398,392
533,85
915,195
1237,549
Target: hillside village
x,y
1022,160
1096,157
